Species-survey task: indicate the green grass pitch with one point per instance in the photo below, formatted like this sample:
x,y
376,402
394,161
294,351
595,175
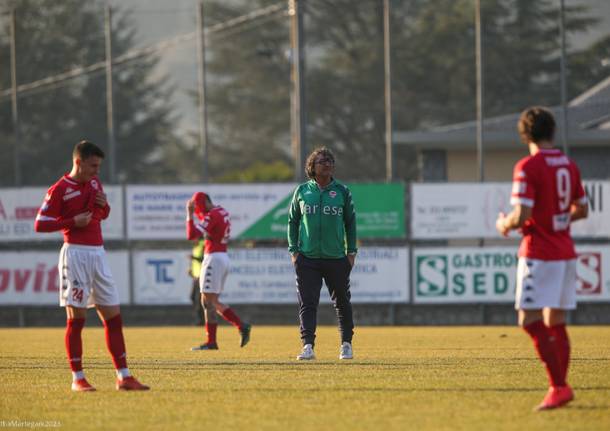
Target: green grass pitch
x,y
402,378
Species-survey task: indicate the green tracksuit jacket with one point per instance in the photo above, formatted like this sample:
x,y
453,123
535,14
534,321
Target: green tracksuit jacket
x,y
322,222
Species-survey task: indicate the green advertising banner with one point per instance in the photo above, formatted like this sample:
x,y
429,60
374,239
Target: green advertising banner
x,y
380,213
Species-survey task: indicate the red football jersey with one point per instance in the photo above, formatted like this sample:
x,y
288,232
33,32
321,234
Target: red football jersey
x,y
66,199
548,182
216,227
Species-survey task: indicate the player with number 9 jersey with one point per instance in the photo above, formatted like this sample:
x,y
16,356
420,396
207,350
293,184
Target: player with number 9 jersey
x,y
548,182
547,197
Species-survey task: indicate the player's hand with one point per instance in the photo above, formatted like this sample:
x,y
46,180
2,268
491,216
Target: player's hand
x,y
82,219
101,200
500,225
294,257
190,207
352,259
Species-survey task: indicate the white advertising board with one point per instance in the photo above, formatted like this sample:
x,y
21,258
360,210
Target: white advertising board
x,y
19,206
480,275
470,210
266,275
158,212
31,278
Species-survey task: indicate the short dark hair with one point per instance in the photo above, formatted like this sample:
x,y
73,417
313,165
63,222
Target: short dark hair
x,y
85,149
536,124
311,160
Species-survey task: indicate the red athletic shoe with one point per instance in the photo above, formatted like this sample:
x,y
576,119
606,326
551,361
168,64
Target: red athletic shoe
x,y
130,384
82,385
557,396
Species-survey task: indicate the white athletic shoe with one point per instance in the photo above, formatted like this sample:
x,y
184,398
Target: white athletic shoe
x,y
307,354
346,351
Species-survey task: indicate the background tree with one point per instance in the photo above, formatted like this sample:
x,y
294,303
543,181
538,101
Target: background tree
x,y
54,37
433,66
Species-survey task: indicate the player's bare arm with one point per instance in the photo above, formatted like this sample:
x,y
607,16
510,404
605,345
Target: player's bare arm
x,y
82,219
513,220
578,211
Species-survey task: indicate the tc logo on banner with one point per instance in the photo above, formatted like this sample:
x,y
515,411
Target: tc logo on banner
x,y
431,275
161,269
589,274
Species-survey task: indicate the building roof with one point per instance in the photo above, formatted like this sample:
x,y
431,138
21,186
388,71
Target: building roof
x,y
588,125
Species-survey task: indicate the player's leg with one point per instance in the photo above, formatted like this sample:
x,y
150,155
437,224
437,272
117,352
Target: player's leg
x,y
198,310
309,283
211,324
217,279
555,318
537,290
74,296
74,347
105,296
336,274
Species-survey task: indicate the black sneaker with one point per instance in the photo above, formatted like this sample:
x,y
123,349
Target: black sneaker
x,y
207,346
245,334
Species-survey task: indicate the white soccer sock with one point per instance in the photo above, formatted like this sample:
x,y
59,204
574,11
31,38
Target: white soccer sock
x,y
122,373
77,375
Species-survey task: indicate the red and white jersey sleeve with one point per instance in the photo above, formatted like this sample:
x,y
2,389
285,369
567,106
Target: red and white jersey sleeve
x,y
49,217
66,199
549,183
216,227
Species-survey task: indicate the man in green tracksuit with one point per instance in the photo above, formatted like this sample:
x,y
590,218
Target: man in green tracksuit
x,y
322,242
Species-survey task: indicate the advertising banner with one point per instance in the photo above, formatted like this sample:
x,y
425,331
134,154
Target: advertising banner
x,y
158,212
258,211
479,275
266,275
31,278
470,210
19,207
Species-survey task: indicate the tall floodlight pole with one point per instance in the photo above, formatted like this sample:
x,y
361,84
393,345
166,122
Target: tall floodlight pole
x,y
562,74
297,77
14,106
479,66
110,98
203,114
389,149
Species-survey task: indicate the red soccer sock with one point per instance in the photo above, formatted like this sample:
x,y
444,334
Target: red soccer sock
x,y
546,351
74,343
115,342
230,316
210,330
562,346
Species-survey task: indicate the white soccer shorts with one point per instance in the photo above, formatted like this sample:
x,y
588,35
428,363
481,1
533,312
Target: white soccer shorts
x,y
85,279
546,284
214,271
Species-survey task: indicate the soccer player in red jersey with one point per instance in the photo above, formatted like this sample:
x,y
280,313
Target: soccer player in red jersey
x,y
76,205
215,226
547,196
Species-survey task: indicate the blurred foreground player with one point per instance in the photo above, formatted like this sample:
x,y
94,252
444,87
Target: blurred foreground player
x,y
76,205
196,259
547,196
215,226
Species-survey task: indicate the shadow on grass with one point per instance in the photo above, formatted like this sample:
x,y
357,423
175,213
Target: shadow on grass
x,y
392,390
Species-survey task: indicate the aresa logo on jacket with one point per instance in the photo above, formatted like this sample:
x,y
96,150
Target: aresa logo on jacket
x,y
326,209
431,275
